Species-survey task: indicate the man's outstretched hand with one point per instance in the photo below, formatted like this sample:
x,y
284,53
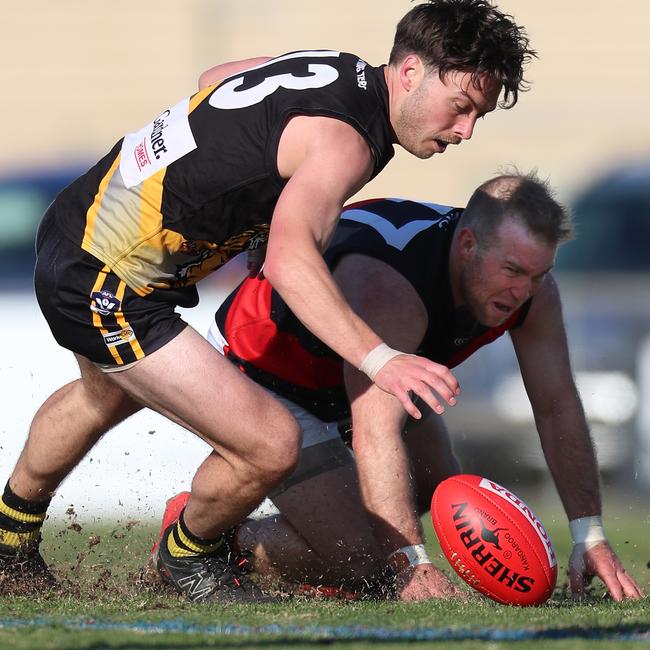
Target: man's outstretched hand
x,y
407,373
601,561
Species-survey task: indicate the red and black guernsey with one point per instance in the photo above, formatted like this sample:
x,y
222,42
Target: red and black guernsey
x,y
271,345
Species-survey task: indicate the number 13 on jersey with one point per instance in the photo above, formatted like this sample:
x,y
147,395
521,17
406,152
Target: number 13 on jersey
x,y
230,95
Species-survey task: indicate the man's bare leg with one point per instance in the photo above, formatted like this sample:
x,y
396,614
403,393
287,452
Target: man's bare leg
x,y
65,428
323,533
322,536
255,439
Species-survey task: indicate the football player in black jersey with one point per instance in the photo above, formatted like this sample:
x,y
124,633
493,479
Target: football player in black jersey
x,y
439,282
265,146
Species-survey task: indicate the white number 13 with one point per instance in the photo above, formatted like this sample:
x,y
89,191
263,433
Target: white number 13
x,y
227,97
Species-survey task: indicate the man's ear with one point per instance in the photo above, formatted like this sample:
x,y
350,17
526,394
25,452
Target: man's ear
x,y
411,72
467,243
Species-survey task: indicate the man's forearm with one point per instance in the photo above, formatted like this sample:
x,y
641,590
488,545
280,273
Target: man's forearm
x,y
387,491
572,462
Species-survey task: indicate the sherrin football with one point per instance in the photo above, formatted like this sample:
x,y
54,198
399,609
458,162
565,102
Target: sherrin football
x,y
493,540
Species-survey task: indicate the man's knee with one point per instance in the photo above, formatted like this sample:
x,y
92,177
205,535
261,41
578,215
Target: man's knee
x,y
275,458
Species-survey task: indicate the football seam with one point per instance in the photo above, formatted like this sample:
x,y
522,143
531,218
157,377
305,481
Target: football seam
x,y
494,503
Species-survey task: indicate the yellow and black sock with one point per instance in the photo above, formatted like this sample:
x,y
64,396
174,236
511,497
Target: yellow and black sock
x,y
183,543
20,520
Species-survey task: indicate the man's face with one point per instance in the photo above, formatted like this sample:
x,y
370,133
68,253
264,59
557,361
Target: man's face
x,y
496,280
438,112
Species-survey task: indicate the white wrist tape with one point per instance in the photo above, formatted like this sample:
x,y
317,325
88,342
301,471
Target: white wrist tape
x,y
408,556
376,359
587,530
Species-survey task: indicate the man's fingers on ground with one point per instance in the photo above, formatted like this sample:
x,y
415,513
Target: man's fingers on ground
x,y
577,583
613,585
630,588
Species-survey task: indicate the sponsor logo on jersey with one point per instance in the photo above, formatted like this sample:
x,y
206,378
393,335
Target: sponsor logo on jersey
x,y
161,142
443,223
111,339
530,515
361,74
104,302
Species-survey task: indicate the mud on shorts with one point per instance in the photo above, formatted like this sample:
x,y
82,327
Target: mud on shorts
x,y
91,311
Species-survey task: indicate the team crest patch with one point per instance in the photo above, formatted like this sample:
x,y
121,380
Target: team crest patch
x,y
104,302
117,338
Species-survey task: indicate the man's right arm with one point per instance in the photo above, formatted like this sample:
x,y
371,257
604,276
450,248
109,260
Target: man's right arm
x,y
326,161
395,311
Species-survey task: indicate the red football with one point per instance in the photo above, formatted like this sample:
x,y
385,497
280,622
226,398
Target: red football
x,y
493,540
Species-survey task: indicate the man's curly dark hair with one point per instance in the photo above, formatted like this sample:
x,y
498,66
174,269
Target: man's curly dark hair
x,y
466,35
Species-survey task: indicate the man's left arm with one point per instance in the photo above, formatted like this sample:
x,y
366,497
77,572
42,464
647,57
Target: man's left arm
x,y
542,351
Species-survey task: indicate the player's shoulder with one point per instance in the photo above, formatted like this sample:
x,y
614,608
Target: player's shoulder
x,y
400,211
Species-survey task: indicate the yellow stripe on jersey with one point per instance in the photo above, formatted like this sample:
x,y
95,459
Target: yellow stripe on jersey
x,y
124,229
151,191
156,241
91,215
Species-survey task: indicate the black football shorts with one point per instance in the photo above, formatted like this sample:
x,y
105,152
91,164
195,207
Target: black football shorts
x,y
91,311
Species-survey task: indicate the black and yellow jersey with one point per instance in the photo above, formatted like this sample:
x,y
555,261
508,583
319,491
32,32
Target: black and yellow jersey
x,y
176,199
256,329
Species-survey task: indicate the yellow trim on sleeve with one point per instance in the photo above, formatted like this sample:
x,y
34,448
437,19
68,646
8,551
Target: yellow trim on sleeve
x,y
198,97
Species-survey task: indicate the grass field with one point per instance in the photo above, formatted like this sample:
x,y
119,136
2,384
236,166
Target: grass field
x,y
102,605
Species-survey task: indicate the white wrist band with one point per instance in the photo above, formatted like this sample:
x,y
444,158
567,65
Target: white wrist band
x,y
408,556
587,530
376,359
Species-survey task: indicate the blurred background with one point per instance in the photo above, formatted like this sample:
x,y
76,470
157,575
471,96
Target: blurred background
x,y
77,76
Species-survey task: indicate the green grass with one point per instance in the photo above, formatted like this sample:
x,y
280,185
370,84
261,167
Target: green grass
x,y
100,567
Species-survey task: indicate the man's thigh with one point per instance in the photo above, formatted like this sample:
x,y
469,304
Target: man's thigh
x,y
322,499
189,382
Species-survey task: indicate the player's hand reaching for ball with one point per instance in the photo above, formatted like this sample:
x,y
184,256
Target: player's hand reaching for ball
x,y
403,375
